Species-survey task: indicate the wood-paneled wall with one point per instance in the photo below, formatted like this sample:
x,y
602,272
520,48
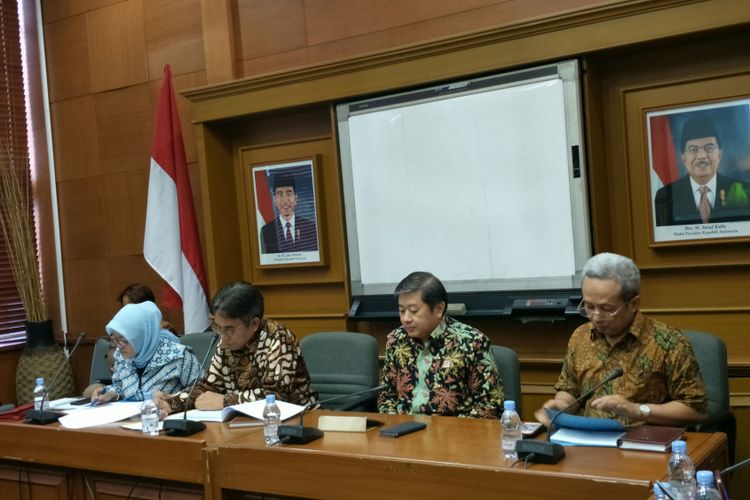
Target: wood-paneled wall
x,y
295,57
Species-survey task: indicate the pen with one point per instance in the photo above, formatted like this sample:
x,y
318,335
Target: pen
x,y
235,425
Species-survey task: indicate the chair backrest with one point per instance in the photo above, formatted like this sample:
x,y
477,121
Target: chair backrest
x,y
199,343
509,369
711,355
342,363
100,364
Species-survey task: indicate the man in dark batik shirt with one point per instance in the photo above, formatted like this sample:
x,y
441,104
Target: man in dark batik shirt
x,y
435,364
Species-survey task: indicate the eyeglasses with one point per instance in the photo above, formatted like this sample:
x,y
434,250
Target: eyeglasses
x,y
226,331
708,148
120,342
588,311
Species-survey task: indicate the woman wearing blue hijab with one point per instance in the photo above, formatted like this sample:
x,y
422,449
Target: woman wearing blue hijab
x,y
147,358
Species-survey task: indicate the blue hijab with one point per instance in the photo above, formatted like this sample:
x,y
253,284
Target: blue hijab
x,y
140,324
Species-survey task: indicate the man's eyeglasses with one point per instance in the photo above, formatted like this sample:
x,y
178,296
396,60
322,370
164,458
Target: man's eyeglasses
x,y
588,311
708,148
225,331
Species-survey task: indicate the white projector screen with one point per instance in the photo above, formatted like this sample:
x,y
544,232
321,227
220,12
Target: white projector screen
x,y
480,182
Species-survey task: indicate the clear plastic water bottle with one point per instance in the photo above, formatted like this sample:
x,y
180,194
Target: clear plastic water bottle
x,y
149,415
40,395
510,423
706,487
659,488
681,472
271,421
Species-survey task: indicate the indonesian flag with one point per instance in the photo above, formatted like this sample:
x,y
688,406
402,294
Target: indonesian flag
x,y
663,152
171,244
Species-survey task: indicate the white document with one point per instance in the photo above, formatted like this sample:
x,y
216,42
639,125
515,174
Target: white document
x,y
253,409
574,437
91,416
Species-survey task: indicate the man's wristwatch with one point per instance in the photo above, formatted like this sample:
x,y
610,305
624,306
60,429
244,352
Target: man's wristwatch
x,y
645,411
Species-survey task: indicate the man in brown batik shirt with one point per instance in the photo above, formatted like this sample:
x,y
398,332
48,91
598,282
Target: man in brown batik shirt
x,y
661,383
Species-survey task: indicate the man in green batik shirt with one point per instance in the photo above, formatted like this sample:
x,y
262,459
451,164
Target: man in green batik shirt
x,y
661,382
435,364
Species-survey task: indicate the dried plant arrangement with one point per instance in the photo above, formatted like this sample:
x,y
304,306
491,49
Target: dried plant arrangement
x,y
16,220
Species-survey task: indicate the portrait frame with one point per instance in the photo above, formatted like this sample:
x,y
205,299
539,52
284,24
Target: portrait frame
x,y
676,173
287,191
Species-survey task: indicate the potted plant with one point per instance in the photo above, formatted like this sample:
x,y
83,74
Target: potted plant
x,y
42,356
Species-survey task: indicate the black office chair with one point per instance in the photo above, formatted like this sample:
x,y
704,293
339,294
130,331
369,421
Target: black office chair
x,y
199,343
711,355
509,370
341,363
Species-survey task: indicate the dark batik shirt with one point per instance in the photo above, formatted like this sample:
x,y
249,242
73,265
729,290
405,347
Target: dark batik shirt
x,y
271,363
460,378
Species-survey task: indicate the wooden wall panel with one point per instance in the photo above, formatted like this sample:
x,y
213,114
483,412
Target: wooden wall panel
x,y
124,121
54,10
117,46
172,39
270,28
67,46
84,230
125,212
76,138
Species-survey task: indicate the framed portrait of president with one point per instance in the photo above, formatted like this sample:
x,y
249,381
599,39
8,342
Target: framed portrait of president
x,y
287,213
699,172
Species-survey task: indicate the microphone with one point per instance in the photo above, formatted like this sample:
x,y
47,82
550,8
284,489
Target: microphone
x,y
42,416
299,434
546,452
185,427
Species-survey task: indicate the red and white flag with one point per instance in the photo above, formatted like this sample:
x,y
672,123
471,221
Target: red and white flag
x,y
171,244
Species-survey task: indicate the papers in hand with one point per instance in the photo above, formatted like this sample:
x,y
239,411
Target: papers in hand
x,y
253,409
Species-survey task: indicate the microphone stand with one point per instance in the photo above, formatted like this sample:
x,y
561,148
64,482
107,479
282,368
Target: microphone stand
x,y
546,452
299,434
185,427
42,416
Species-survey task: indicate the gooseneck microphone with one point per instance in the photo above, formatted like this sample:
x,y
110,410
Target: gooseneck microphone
x,y
546,452
299,434
185,427
42,416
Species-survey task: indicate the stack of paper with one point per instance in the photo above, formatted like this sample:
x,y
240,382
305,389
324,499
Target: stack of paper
x,y
253,409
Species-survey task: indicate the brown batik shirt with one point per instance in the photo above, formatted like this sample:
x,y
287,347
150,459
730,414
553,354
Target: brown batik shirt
x,y
657,360
271,363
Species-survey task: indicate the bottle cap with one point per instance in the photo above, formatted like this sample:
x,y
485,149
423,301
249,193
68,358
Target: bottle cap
x,y
705,477
509,404
270,399
679,446
40,381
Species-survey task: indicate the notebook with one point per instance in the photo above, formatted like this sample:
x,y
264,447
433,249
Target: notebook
x,y
650,438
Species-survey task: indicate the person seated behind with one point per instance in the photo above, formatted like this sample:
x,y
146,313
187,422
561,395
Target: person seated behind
x,y
435,364
662,382
135,293
147,358
255,357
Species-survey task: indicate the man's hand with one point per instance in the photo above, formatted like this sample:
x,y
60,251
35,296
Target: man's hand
x,y
210,401
554,404
619,406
